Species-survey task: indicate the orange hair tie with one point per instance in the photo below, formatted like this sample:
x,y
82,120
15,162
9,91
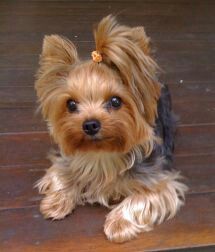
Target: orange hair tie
x,y
96,56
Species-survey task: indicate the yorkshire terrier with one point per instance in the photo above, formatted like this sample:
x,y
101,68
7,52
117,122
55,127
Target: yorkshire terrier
x,y
113,123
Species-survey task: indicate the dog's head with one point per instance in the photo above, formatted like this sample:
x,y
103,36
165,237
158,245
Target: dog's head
x,y
107,104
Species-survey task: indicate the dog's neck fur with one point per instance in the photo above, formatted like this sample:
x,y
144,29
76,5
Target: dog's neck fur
x,y
96,174
102,166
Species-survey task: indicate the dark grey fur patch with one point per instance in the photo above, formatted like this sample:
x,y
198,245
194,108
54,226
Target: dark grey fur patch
x,y
166,124
165,128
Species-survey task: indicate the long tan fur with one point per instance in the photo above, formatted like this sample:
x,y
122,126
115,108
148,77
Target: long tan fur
x,y
100,169
127,49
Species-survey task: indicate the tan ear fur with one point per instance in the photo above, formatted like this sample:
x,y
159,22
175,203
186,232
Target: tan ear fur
x,y
127,49
56,61
57,50
141,39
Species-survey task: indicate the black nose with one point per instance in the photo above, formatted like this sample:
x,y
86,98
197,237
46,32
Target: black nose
x,y
91,127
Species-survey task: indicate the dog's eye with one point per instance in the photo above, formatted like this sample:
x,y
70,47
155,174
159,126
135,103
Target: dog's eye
x,y
71,105
115,102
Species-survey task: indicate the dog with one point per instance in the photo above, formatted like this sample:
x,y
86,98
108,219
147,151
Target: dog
x,y
113,123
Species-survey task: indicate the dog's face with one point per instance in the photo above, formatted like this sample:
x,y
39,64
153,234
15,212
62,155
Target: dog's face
x,y
93,111
88,105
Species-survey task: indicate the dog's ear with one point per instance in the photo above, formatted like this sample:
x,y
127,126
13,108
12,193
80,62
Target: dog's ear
x,y
56,61
57,50
141,39
127,49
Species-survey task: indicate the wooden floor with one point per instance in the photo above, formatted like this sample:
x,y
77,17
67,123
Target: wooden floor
x,y
184,37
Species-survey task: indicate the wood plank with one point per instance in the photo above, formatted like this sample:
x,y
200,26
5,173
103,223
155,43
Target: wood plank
x,y
21,120
181,53
192,102
198,172
31,148
161,22
75,14
25,97
171,55
178,8
184,34
17,181
31,44
82,231
17,186
194,140
24,148
150,7
14,122
17,97
12,118
211,2
187,61
17,77
156,27
194,249
25,77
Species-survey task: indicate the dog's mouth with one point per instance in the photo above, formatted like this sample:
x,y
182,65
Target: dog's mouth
x,y
98,143
98,138
92,143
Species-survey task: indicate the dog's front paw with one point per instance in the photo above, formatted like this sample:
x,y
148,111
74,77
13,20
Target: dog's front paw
x,y
57,205
118,229
44,184
50,182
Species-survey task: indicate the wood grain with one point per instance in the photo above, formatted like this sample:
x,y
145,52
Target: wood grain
x,y
24,148
183,34
17,181
82,231
193,103
21,120
192,140
184,60
195,93
31,148
155,16
17,186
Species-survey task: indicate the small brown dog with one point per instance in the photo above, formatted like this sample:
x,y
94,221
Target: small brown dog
x,y
112,121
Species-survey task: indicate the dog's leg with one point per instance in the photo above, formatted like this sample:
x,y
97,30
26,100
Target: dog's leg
x,y
60,195
141,211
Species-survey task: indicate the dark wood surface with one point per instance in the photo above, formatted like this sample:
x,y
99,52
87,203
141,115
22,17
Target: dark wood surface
x,y
183,34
